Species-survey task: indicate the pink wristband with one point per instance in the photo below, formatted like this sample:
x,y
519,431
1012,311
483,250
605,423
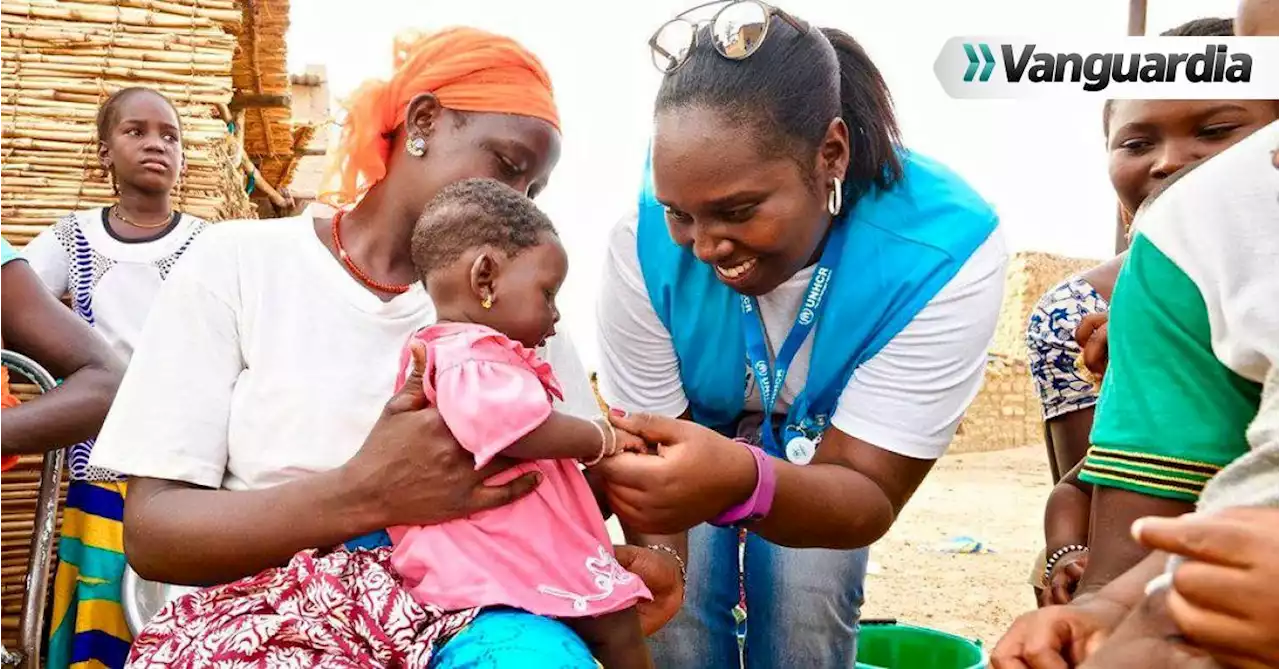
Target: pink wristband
x,y
756,506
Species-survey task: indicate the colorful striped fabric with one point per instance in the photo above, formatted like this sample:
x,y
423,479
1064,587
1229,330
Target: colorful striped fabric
x,y
88,629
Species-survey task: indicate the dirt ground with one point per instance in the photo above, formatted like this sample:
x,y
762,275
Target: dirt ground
x,y
997,498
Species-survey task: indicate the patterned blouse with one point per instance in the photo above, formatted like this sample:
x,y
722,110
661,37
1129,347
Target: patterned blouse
x,y
1052,348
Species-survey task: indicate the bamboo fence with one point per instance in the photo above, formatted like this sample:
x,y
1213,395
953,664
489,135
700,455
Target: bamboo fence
x,y
260,69
60,60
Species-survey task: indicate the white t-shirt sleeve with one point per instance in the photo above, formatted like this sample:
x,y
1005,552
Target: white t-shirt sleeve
x,y
563,356
909,398
639,370
48,257
170,418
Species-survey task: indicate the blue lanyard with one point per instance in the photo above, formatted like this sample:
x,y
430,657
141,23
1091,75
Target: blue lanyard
x,y
768,377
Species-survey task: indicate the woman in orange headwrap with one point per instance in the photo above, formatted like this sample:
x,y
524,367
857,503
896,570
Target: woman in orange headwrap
x,y
255,424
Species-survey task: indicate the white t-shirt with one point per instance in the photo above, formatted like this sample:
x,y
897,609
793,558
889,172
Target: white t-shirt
x,y
123,276
264,361
908,399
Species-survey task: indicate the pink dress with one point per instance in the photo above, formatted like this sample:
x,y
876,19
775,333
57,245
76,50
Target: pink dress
x,y
548,553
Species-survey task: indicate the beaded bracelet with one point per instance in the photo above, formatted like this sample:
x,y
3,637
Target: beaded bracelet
x,y
684,575
1059,554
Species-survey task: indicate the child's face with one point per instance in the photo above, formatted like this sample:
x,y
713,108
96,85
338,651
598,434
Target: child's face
x,y
524,293
145,145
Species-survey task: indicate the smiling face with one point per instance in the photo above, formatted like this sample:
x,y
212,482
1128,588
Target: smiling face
x,y
1149,140
756,216
141,142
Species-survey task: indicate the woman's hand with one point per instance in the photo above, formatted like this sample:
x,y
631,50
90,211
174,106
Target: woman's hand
x,y
1146,638
661,574
695,475
1224,596
1091,335
1064,578
1055,637
413,472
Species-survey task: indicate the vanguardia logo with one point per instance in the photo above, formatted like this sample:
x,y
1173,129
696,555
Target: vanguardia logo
x,y
1098,70
1121,67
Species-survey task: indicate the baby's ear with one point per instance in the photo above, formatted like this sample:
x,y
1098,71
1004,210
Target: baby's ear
x,y
484,272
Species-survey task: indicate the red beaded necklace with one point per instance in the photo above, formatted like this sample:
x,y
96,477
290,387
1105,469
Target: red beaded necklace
x,y
359,274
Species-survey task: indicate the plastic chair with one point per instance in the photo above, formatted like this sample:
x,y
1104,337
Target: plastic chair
x,y
31,620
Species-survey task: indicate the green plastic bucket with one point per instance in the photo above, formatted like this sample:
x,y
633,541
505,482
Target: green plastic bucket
x,y
897,646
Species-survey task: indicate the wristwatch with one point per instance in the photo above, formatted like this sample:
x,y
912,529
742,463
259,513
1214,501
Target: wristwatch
x,y
756,506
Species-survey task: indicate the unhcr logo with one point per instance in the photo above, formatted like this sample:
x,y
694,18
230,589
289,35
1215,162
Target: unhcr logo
x,y
1149,68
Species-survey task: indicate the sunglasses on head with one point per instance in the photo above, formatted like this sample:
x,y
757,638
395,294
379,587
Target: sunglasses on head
x,y
737,31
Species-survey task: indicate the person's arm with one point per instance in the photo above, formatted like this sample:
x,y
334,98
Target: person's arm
x,y
39,326
1070,434
1066,516
565,436
1113,550
1066,530
178,533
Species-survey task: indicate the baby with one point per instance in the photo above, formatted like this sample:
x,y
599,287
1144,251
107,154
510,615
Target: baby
x,y
493,264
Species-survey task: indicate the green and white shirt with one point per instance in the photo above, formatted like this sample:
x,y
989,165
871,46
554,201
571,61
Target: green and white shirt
x,y
1193,328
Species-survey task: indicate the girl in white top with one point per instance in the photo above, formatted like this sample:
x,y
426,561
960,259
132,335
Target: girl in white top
x,y
111,261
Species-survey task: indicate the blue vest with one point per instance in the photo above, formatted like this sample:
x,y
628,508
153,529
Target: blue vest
x,y
904,245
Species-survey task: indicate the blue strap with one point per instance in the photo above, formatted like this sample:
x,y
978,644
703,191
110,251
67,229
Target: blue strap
x,y
372,540
768,377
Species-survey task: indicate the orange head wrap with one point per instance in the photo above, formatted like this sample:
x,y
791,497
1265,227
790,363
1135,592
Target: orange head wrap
x,y
467,70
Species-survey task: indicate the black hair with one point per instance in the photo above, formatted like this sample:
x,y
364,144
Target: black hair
x,y
1206,27
472,213
109,112
790,89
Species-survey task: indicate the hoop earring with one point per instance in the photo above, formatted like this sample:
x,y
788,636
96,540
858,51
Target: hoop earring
x,y
835,199
416,146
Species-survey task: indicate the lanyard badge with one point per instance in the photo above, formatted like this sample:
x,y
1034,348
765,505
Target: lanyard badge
x,y
799,448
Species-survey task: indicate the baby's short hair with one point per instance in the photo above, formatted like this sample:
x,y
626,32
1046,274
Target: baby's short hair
x,y
473,213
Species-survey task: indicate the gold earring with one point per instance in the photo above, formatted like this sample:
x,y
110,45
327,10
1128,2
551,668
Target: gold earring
x,y
487,302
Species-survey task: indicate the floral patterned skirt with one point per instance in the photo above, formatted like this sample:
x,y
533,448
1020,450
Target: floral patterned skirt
x,y
338,609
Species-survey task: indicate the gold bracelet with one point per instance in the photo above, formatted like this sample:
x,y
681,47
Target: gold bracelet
x,y
663,548
604,444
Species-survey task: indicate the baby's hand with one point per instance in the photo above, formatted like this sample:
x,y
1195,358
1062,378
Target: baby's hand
x,y
628,443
